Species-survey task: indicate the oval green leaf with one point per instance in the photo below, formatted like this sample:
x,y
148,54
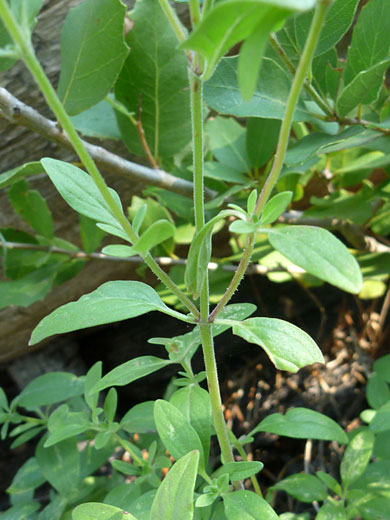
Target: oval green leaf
x,y
356,457
275,207
305,488
320,253
245,505
175,431
130,371
302,423
92,53
111,302
49,389
175,496
98,511
288,347
80,192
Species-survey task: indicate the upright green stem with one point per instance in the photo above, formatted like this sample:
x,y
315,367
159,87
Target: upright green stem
x,y
173,20
28,55
296,87
205,326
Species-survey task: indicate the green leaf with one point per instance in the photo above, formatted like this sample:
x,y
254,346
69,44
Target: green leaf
x,y
175,431
60,465
9,177
94,375
97,511
21,511
131,371
92,53
320,253
245,505
194,403
363,88
200,253
111,302
25,12
227,143
332,511
119,251
377,391
154,78
302,423
223,172
377,507
239,470
221,92
330,482
98,121
303,487
356,457
338,20
110,405
27,478
79,191
370,41
174,498
91,235
252,51
139,419
29,289
382,367
275,207
381,421
157,233
63,424
234,21
288,347
375,479
49,389
242,227
32,207
261,139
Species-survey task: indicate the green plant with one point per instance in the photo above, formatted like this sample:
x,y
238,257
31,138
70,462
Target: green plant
x,y
364,489
184,423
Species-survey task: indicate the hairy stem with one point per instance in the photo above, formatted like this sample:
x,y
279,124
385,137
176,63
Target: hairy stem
x,y
28,55
295,90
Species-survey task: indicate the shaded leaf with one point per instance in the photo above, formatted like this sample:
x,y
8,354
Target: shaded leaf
x,y
261,139
370,40
9,177
227,143
49,389
222,94
356,457
363,88
305,488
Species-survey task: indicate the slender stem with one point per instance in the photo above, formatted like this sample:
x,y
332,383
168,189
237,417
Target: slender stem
x,y
207,5
308,86
127,446
296,87
194,12
244,456
174,21
56,106
196,89
215,396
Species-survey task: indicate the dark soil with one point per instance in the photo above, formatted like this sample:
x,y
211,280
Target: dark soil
x,y
346,330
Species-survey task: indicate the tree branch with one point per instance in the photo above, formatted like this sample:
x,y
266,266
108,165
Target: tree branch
x,y
17,113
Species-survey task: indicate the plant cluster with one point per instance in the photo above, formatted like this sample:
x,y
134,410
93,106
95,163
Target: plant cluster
x,y
300,107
